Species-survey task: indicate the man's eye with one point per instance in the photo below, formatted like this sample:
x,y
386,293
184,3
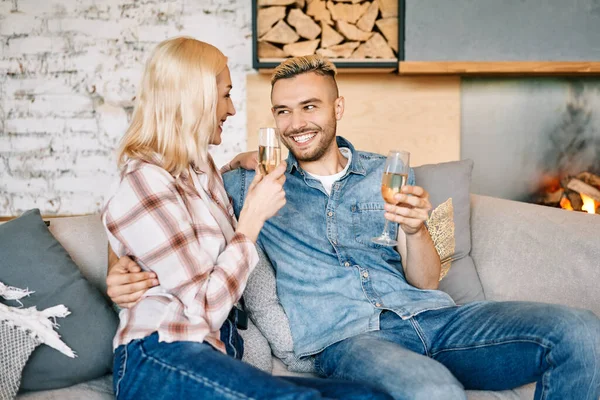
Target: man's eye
x,y
309,107
281,112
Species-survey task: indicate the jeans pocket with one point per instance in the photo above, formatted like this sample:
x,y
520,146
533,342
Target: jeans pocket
x,y
119,366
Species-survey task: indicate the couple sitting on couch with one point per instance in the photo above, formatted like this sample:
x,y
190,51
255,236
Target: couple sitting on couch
x,y
370,315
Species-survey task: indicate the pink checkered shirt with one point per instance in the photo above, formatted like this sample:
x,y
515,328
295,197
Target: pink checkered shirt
x,y
170,226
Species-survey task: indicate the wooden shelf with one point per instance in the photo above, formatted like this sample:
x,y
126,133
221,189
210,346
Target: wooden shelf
x,y
537,68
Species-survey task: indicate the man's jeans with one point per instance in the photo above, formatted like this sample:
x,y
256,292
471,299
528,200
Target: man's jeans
x,y
153,370
480,346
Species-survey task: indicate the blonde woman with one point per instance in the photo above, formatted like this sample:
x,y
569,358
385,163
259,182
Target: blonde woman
x,y
170,213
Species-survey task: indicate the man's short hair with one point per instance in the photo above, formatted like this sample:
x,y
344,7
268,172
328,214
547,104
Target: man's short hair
x,y
301,65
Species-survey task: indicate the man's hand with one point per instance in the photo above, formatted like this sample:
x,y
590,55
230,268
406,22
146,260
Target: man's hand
x,y
410,212
127,283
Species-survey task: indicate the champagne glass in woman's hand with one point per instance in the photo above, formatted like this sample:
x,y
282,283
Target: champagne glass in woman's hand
x,y
269,150
395,175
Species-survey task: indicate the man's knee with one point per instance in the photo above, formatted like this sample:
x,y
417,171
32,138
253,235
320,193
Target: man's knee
x,y
435,391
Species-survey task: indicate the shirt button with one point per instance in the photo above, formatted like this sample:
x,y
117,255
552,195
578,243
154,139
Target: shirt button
x,y
334,242
365,274
330,213
346,264
377,304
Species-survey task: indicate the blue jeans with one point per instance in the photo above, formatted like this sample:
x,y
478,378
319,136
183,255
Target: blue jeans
x,y
481,346
149,369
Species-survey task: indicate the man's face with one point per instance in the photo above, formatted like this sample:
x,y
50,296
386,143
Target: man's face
x,y
306,110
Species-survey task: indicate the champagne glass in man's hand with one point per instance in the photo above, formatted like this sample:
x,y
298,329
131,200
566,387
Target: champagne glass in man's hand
x,y
395,175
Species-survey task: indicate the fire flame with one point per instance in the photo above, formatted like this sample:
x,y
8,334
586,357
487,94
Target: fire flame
x,y
589,204
566,204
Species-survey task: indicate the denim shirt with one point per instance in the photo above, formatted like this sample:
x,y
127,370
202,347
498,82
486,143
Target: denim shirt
x,y
332,281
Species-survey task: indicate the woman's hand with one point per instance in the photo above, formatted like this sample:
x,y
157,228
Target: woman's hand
x,y
248,160
265,197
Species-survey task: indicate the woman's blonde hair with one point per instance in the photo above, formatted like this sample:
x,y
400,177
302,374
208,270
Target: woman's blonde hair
x,y
175,112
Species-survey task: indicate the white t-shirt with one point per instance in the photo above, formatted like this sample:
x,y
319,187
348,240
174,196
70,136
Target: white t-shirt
x,y
328,180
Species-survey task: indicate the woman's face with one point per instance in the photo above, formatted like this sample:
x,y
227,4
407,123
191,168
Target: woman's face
x,y
224,104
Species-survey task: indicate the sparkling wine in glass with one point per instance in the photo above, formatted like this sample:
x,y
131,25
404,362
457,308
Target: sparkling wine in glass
x,y
395,175
269,150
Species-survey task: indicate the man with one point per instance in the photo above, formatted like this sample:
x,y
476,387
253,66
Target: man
x,y
370,313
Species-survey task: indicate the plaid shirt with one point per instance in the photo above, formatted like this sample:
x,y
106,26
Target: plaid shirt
x,y
166,225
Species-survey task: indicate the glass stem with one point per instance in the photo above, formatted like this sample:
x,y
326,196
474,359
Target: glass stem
x,y
385,232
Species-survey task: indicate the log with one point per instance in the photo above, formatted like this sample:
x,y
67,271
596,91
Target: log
x,y
267,50
281,33
339,51
367,21
304,48
300,3
329,36
582,187
305,25
590,179
389,8
347,12
267,17
318,10
389,28
575,199
376,47
550,198
263,3
348,1
351,32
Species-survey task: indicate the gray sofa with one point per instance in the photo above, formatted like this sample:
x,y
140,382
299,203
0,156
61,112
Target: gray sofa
x,y
521,252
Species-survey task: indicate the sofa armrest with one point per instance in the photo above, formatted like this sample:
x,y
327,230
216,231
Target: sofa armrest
x,y
528,252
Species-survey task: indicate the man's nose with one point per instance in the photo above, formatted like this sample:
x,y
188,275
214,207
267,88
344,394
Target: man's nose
x,y
298,122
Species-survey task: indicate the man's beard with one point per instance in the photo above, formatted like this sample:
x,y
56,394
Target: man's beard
x,y
325,135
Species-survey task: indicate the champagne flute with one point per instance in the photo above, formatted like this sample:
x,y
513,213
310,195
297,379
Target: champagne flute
x,y
269,150
395,175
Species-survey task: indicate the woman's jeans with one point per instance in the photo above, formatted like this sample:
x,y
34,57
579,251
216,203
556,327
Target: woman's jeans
x,y
479,346
149,369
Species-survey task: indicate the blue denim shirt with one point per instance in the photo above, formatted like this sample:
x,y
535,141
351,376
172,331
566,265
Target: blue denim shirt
x,y
332,281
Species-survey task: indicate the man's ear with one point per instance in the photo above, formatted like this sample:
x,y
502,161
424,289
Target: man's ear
x,y
339,107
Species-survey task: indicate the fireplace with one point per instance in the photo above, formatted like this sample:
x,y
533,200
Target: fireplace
x,y
535,140
574,193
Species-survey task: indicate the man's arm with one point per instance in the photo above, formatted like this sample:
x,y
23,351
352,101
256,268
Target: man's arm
x,y
420,259
126,282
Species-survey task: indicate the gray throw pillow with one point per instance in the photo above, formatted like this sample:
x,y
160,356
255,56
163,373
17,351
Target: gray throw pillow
x,y
267,313
32,258
256,348
453,180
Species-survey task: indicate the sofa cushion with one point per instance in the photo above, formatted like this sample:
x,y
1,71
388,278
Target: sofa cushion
x,y
268,314
97,389
32,258
453,180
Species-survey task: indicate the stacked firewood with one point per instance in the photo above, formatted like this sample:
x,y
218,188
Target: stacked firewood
x,y
569,194
338,29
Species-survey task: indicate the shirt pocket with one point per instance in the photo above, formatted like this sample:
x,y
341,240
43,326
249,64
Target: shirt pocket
x,y
368,222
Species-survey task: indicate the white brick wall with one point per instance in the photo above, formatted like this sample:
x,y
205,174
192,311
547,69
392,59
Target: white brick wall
x,y
68,72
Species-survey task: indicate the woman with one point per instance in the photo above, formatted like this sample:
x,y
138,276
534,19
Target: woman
x,y
170,214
